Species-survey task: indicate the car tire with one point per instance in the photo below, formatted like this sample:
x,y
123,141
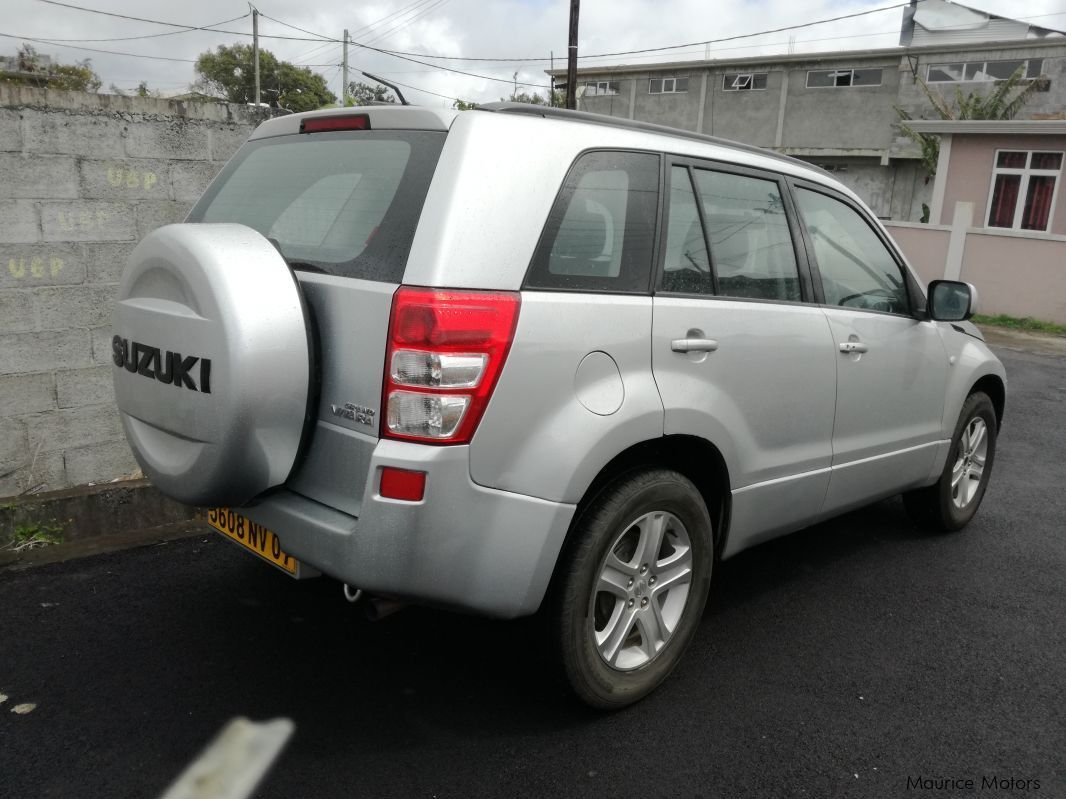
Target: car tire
x,y
952,501
636,539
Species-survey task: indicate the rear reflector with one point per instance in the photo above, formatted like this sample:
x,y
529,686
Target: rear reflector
x,y
402,484
325,124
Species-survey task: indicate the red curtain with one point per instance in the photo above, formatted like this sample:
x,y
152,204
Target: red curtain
x,y
1038,202
1004,198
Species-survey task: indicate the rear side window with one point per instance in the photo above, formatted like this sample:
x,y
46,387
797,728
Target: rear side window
x,y
600,233
686,267
346,204
750,239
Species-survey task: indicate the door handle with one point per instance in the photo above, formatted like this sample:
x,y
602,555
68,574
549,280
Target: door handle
x,y
693,345
853,346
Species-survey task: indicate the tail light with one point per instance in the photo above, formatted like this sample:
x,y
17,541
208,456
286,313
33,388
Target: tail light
x,y
446,351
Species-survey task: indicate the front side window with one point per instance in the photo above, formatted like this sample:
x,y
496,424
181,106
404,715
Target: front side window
x,y
600,233
743,81
346,204
667,85
856,268
1023,189
751,244
836,78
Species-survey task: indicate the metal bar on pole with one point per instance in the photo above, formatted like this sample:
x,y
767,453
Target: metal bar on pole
x,y
551,97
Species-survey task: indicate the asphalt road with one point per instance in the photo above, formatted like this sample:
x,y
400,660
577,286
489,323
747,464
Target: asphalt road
x,y
839,661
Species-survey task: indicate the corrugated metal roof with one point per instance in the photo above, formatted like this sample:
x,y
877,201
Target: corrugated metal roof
x,y
996,30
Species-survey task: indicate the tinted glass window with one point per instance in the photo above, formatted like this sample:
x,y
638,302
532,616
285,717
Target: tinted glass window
x,y
342,203
750,240
857,270
866,77
600,232
686,267
1002,70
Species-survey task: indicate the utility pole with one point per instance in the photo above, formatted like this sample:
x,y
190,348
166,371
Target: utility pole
x,y
344,71
571,58
255,50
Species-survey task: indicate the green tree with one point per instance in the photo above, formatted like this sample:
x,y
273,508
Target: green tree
x,y
365,94
31,70
229,72
1003,102
462,105
533,98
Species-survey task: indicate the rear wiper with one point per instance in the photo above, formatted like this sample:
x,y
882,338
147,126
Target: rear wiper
x,y
303,266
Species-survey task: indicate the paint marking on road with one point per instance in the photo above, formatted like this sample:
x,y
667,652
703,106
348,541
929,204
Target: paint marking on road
x,y
235,762
24,708
3,698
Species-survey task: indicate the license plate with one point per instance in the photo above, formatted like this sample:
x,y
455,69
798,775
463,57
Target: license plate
x,y
253,537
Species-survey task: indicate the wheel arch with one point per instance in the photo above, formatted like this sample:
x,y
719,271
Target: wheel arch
x,y
696,458
993,386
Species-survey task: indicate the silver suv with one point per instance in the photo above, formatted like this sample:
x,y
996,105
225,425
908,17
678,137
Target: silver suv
x,y
521,359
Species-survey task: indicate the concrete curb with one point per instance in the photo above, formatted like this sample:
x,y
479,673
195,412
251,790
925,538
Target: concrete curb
x,y
93,519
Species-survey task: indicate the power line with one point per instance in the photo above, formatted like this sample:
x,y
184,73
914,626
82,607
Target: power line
x,y
95,50
287,25
397,28
395,15
188,29
403,57
136,19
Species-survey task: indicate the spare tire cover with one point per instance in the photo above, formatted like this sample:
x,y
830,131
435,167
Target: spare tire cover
x,y
211,353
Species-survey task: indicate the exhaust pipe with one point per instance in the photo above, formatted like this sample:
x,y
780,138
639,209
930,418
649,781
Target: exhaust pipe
x,y
353,595
377,608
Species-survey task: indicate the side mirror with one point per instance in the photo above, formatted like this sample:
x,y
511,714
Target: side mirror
x,y
952,301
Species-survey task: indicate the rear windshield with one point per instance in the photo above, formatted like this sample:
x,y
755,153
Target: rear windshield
x,y
346,204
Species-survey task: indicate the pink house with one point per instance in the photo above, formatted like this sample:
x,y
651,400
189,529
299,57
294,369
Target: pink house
x,y
996,217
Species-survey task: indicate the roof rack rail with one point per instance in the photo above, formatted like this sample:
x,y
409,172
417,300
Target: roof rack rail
x,y
549,112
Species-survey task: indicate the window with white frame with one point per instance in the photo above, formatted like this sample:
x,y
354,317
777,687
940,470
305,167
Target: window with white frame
x,y
1024,185
963,71
744,81
835,78
668,85
597,88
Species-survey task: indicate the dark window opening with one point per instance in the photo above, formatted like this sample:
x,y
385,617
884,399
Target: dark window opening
x,y
600,233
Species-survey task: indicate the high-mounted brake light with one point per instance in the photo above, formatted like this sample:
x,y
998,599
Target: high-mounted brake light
x,y
326,124
446,351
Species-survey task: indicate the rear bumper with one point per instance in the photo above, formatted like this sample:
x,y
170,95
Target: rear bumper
x,y
462,546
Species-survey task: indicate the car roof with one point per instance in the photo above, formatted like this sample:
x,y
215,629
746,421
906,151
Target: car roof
x,y
549,112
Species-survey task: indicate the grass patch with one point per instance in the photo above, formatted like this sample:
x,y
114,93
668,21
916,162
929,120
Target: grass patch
x,y
1026,323
33,536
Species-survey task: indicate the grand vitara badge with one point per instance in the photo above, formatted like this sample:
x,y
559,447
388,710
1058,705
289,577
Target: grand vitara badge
x,y
355,413
163,365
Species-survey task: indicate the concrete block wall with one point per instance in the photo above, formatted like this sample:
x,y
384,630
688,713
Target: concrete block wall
x,y
83,177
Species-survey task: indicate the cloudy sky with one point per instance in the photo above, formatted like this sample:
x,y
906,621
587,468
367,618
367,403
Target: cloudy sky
x,y
472,30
